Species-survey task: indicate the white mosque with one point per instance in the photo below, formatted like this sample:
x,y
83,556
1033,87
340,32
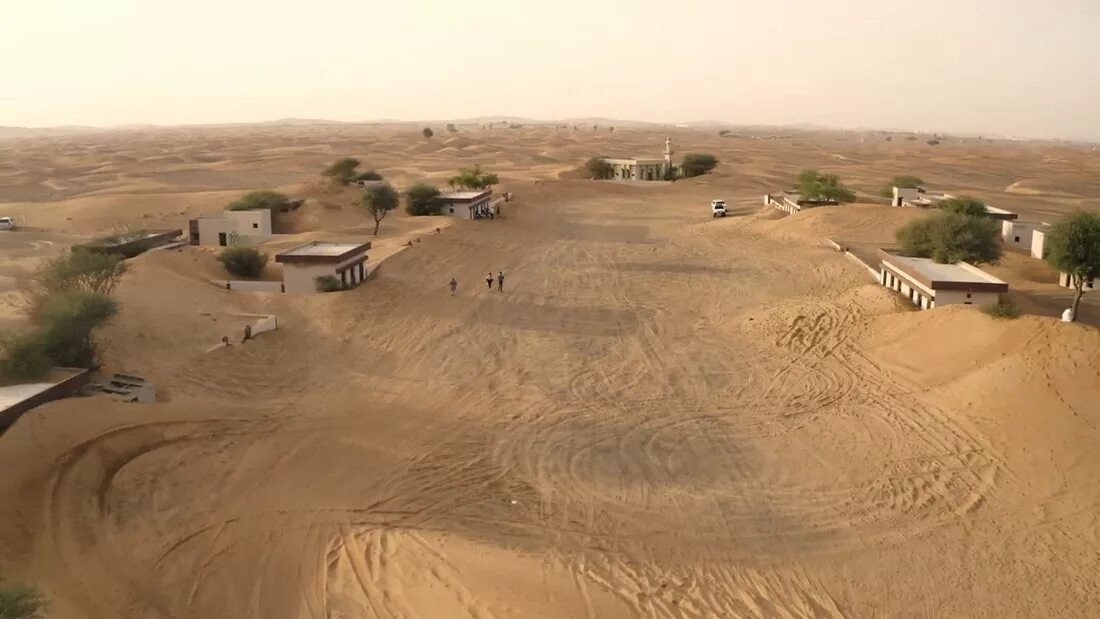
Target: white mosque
x,y
642,169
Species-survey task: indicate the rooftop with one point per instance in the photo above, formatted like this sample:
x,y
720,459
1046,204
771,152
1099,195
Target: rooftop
x,y
317,248
466,195
938,275
319,252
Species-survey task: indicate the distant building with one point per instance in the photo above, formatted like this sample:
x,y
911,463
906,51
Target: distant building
x,y
793,202
302,265
921,197
222,229
1065,280
1020,234
467,204
928,284
634,169
1038,242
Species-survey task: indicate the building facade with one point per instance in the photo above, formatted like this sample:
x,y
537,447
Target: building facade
x,y
302,265
466,204
928,284
223,229
635,169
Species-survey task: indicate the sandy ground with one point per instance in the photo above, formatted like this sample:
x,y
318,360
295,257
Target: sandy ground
x,y
662,415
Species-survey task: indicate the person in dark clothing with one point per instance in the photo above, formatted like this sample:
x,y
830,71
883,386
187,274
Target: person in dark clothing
x,y
489,281
500,281
454,286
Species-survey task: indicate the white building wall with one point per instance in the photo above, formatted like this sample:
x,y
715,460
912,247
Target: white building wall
x,y
1017,234
1038,238
251,223
301,277
210,228
959,297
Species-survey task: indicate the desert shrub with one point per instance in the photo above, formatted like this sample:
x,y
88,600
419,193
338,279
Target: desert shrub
x,y
422,199
271,200
451,128
598,169
815,186
964,206
1002,309
724,132
672,173
81,270
343,171
697,164
949,237
243,261
911,138
66,323
20,603
427,133
933,142
22,358
515,126
369,175
328,283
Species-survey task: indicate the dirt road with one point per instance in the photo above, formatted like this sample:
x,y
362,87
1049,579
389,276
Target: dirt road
x,y
661,416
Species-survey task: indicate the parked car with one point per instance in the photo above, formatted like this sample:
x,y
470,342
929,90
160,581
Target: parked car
x,y
7,223
718,208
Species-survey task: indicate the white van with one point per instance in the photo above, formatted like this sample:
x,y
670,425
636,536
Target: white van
x,y
7,223
718,208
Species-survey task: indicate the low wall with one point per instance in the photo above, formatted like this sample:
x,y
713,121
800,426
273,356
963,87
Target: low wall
x,y
241,285
65,387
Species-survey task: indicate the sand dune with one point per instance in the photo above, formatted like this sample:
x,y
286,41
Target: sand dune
x,y
663,415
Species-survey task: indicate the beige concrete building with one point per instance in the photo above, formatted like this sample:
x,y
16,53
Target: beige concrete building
x,y
635,169
928,284
921,197
467,204
1065,280
1038,242
1020,234
231,226
302,265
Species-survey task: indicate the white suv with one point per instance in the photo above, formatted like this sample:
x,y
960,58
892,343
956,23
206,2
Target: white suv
x,y
718,208
7,223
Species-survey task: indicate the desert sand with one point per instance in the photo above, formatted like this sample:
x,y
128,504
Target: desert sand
x,y
663,415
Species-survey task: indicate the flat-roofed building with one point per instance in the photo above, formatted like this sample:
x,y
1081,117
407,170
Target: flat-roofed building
x,y
917,196
229,226
1038,242
302,265
928,284
466,204
1065,280
1019,234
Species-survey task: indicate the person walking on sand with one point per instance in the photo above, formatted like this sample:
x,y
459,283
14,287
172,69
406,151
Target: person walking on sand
x,y
500,281
489,280
454,286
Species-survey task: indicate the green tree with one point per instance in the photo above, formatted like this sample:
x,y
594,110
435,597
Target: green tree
x,y
343,171
598,169
379,200
422,199
428,133
20,603
243,261
817,187
902,182
22,358
1073,247
963,205
697,164
473,178
271,200
81,270
66,324
949,237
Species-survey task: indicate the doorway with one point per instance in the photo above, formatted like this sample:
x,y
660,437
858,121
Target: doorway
x,y
222,239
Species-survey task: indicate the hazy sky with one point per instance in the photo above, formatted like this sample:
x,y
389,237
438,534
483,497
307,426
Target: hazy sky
x,y
1021,67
